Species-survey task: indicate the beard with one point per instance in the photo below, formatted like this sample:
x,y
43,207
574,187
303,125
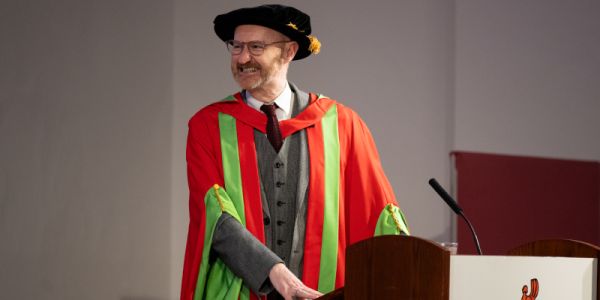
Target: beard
x,y
247,81
253,75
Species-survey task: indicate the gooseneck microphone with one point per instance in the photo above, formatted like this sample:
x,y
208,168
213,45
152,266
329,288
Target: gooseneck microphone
x,y
455,207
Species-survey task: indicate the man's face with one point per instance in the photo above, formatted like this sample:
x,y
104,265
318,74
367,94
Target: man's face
x,y
263,71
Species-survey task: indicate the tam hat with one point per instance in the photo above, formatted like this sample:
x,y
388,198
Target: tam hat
x,y
285,19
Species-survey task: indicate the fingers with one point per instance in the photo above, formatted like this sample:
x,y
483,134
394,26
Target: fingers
x,y
289,286
305,292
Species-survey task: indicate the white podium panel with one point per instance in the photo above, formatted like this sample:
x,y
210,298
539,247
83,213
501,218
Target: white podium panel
x,y
522,278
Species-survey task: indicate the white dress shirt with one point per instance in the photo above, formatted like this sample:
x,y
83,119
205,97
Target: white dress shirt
x,y
283,101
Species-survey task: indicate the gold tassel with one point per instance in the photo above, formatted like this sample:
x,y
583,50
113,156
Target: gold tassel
x,y
216,188
315,45
394,217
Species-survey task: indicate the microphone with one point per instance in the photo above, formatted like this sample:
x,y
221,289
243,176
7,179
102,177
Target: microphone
x,y
456,208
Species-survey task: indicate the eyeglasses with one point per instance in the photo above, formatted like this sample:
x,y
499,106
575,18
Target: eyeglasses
x,y
255,48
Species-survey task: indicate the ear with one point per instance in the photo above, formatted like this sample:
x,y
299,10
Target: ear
x,y
290,51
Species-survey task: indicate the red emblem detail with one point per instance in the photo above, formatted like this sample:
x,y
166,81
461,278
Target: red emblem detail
x,y
535,287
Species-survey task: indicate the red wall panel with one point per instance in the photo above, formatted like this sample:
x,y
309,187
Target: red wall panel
x,y
512,200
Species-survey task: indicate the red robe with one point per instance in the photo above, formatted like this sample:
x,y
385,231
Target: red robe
x,y
365,194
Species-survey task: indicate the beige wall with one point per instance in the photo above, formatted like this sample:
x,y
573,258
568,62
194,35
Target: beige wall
x,y
527,78
85,127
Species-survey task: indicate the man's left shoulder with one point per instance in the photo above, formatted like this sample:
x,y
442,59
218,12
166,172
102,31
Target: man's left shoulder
x,y
343,111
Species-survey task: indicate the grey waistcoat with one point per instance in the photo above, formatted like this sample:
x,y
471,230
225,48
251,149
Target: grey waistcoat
x,y
284,183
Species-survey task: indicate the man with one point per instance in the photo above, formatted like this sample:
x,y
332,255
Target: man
x,y
281,181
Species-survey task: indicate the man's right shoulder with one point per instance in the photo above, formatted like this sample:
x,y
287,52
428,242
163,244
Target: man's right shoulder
x,y
212,110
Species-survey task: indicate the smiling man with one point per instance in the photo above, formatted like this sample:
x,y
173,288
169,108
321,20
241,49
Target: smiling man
x,y
261,73
281,181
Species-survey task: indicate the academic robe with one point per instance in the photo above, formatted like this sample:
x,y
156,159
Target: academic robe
x,y
349,200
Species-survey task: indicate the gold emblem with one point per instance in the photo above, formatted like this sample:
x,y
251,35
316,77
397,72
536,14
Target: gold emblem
x,y
292,25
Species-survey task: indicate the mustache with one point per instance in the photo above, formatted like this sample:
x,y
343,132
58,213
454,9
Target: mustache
x,y
248,65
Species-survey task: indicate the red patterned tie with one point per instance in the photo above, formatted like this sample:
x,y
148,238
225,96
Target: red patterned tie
x,y
273,133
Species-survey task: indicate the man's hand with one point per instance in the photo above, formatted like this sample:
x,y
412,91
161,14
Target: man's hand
x,y
288,285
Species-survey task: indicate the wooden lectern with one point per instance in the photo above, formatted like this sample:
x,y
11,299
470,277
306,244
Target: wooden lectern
x,y
406,267
395,267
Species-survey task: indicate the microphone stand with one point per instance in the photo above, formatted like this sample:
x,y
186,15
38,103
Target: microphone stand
x,y
456,208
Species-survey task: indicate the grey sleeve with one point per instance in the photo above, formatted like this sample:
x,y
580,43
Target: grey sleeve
x,y
247,257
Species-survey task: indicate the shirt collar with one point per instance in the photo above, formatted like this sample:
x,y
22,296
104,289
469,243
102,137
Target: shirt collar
x,y
283,101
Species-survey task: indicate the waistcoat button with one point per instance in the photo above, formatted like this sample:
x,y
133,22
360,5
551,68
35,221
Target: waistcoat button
x,y
279,184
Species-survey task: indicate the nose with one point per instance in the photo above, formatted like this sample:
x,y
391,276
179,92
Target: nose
x,y
243,57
